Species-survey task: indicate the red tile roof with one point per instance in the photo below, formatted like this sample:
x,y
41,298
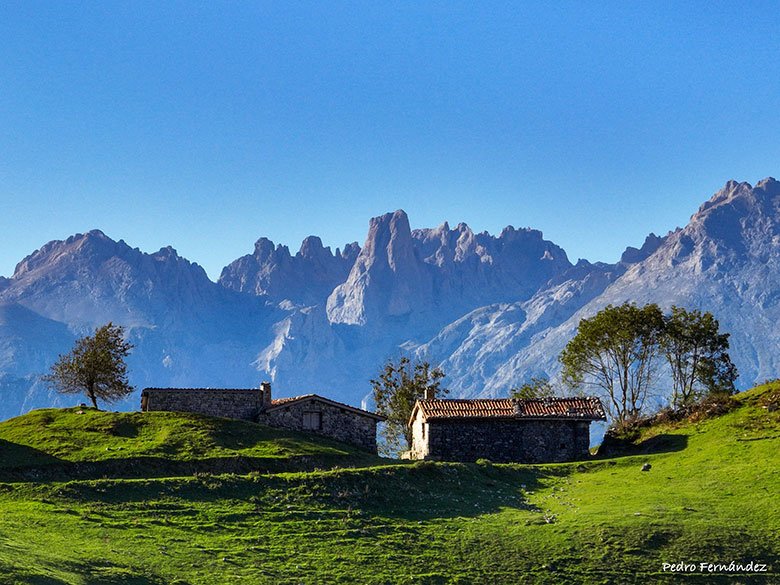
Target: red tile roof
x,y
586,408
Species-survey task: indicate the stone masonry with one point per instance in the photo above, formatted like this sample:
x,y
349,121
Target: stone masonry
x,y
333,419
238,403
503,430
504,441
308,413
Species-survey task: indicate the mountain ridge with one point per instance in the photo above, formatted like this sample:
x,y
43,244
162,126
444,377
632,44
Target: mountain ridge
x,y
491,310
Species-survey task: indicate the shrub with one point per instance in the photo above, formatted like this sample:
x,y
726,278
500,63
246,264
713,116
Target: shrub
x,y
714,404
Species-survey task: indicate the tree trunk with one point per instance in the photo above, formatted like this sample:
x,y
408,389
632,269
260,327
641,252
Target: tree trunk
x,y
91,395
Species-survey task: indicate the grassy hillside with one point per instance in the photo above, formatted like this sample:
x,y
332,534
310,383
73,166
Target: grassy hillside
x,y
711,495
61,443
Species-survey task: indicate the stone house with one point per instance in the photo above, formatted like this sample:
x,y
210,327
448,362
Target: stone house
x,y
310,412
503,429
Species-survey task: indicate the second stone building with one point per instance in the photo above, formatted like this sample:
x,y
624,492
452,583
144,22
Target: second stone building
x,y
309,412
503,429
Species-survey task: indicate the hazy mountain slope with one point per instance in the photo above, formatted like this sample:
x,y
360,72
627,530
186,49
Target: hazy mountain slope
x,y
478,350
726,260
492,310
28,342
187,329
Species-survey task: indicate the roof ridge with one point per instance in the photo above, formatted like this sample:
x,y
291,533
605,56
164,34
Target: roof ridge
x,y
285,401
569,407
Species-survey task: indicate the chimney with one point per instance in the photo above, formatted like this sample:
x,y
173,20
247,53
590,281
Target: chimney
x,y
517,407
430,393
265,389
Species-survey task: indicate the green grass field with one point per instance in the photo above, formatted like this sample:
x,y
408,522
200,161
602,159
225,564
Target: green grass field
x,y
83,442
711,495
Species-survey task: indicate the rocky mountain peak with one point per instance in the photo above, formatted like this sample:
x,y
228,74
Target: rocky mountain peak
x,y
90,278
312,251
390,237
350,253
633,255
264,248
387,279
388,242
304,279
312,248
167,253
738,219
91,247
443,246
400,271
742,194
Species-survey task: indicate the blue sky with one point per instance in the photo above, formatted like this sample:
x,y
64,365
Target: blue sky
x,y
205,125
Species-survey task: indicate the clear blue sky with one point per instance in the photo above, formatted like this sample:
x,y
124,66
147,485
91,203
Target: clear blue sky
x,y
205,125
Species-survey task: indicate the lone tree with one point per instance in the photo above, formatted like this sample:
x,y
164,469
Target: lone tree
x,y
397,388
95,366
697,354
615,351
537,387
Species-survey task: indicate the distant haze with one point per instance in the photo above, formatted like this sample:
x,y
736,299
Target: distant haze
x,y
492,310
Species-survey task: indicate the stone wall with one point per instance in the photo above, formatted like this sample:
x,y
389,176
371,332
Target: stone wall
x,y
228,403
503,441
339,423
419,449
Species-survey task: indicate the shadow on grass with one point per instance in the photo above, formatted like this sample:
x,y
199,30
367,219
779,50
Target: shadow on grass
x,y
233,435
413,492
38,466
663,443
120,576
14,455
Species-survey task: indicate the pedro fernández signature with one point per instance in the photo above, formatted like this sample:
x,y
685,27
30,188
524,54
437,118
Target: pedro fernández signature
x,y
721,567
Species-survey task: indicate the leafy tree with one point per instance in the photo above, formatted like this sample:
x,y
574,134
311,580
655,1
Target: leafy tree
x,y
615,352
697,354
535,388
397,388
95,366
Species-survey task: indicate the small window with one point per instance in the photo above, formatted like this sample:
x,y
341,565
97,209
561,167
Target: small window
x,y
312,421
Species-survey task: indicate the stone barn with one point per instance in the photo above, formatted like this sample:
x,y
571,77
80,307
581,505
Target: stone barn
x,y
310,412
324,416
503,429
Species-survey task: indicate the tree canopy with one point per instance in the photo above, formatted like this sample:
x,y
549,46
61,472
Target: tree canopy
x,y
396,389
537,387
697,354
617,352
94,367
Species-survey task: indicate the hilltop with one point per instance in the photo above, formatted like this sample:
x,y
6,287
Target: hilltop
x,y
87,443
710,495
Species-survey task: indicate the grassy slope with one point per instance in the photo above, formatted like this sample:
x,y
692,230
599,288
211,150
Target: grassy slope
x,y
161,440
711,495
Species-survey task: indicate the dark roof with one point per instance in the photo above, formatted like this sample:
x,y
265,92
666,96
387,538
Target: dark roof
x,y
203,389
280,402
584,408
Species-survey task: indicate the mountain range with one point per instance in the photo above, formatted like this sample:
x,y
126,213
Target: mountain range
x,y
491,310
